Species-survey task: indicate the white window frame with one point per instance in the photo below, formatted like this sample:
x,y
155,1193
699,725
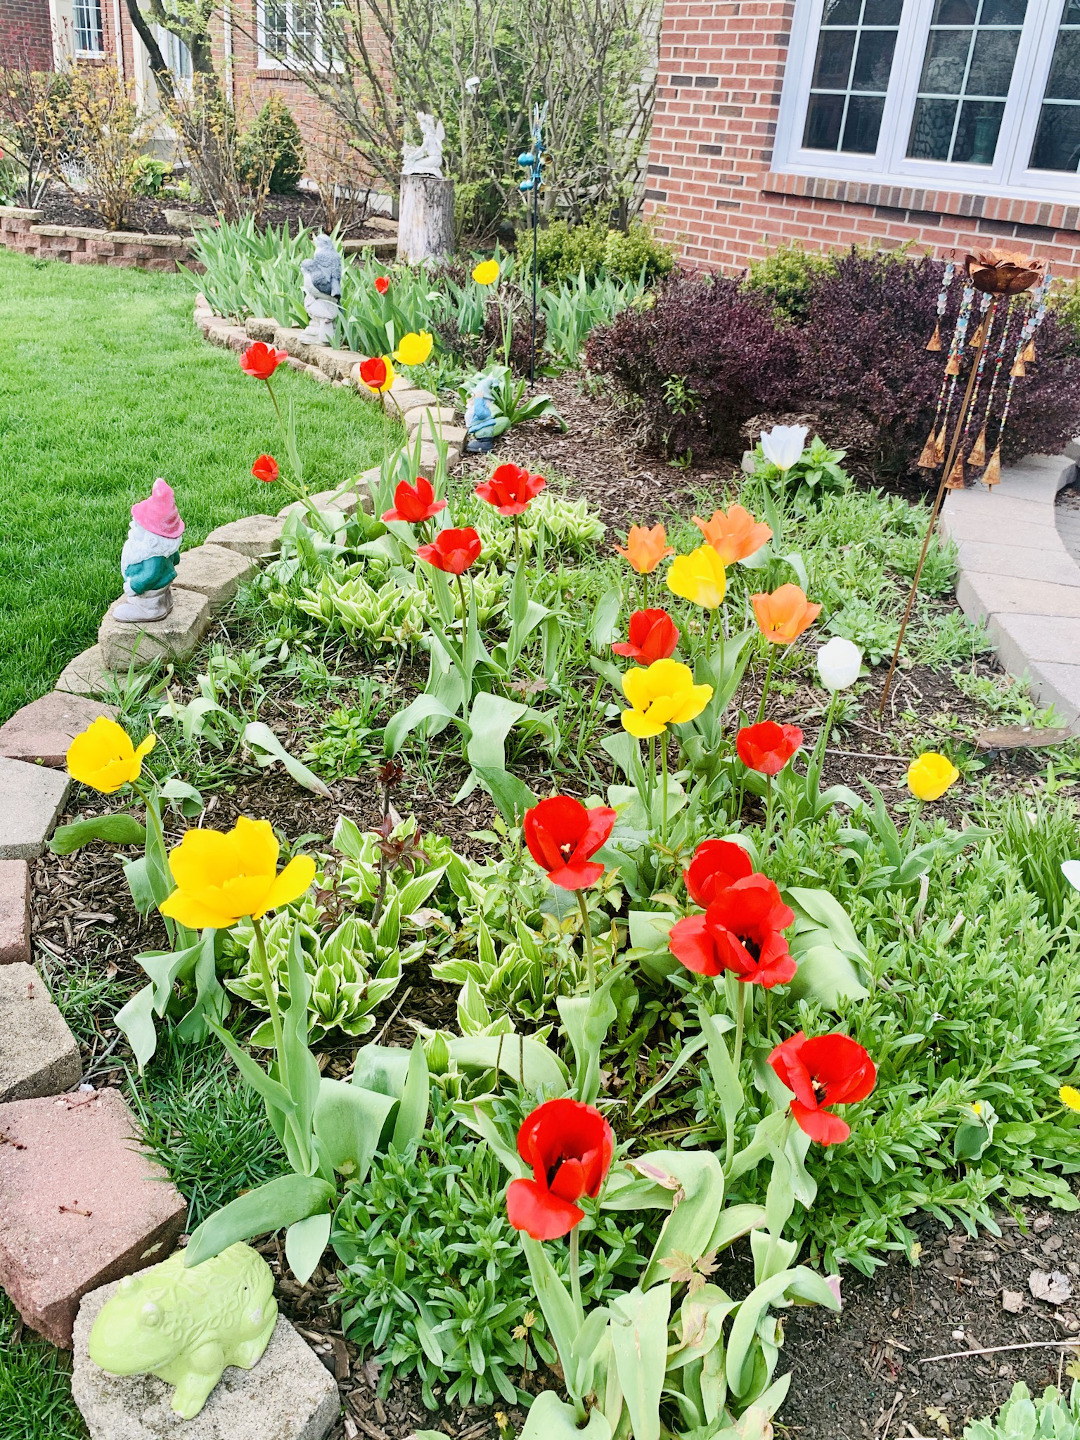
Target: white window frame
x,y
889,165
269,59
80,53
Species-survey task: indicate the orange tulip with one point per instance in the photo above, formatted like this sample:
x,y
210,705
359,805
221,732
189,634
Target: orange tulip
x,y
646,548
784,615
734,536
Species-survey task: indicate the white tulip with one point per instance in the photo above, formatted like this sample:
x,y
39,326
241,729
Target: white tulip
x,y
784,444
839,663
1071,870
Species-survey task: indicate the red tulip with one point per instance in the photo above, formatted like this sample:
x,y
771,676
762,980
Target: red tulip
x,y
570,1147
373,372
767,747
510,489
260,360
452,551
562,835
414,503
265,469
740,932
651,635
716,865
828,1070
382,284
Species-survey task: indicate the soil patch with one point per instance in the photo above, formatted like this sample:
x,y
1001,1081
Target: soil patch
x,y
60,207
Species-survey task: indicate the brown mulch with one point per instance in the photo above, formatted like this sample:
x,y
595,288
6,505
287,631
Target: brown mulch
x,y
858,1376
147,215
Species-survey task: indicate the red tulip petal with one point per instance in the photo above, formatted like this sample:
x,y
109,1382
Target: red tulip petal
x,y
820,1125
842,1066
539,1213
692,945
578,875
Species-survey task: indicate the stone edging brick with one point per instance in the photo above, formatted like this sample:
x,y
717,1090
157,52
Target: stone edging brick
x,y
84,245
1015,574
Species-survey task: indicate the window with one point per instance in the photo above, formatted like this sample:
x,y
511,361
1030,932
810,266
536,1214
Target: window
x,y
86,19
176,54
291,34
970,95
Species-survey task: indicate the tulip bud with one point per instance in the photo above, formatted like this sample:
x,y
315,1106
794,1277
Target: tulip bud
x,y
437,1053
838,663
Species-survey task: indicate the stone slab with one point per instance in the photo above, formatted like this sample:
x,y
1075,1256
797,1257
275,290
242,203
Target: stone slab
x,y
453,436
14,912
288,1395
429,416
983,595
1072,449
31,797
38,1053
1038,638
254,535
1007,511
983,525
144,643
344,500
1059,685
407,399
337,364
83,1205
87,674
1052,564
261,327
429,459
44,729
214,571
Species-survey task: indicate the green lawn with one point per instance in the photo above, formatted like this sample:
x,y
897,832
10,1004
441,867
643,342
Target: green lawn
x,y
104,384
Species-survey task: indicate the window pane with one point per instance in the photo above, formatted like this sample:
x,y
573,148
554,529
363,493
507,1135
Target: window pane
x,y
275,27
833,67
884,12
977,132
970,58
863,124
841,12
86,16
1057,140
824,115
874,62
303,36
932,129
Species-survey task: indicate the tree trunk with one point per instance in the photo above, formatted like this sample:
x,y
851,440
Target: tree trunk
x,y
426,219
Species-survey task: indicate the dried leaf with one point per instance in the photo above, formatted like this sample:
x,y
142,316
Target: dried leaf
x,y
1054,1287
1012,1302
940,1419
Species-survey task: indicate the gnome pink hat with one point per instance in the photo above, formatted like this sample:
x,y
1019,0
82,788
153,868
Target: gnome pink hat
x,y
158,513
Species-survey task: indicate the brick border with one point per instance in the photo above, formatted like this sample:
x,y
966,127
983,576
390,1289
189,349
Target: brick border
x,y
1015,574
21,231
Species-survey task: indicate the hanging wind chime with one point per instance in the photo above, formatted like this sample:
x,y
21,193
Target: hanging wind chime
x,y
1002,304
534,160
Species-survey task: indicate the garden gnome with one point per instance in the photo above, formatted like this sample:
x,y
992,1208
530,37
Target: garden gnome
x,y
480,418
150,556
427,157
322,290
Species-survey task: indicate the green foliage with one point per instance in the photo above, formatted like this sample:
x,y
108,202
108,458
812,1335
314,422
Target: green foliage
x,y
1051,1417
786,279
35,1385
565,250
150,175
272,149
434,1280
817,472
1066,305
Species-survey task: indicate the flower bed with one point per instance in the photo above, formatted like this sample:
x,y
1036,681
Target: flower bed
x,y
684,974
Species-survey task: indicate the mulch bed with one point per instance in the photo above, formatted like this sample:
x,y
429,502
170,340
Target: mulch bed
x,y
60,207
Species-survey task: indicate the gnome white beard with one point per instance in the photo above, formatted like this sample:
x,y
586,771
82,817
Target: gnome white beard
x,y
141,545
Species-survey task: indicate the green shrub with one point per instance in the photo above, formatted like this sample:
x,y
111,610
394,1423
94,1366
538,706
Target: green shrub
x,y
1066,303
786,279
564,250
1051,1417
273,142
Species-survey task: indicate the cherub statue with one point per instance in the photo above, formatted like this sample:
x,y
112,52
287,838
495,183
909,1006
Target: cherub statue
x,y
322,290
480,417
149,557
425,158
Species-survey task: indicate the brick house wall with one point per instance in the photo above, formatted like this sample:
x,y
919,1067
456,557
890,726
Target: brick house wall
x,y
25,33
715,194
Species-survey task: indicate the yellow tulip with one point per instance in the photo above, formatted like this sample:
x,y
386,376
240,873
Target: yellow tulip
x,y
699,577
414,349
930,775
104,757
1069,1097
223,877
486,273
662,695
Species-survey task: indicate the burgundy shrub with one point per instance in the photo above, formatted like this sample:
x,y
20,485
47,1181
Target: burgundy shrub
x,y
862,352
703,358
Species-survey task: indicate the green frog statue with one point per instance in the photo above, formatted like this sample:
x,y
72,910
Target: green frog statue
x,y
185,1325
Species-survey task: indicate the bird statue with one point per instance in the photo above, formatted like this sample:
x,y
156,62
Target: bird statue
x,y
322,290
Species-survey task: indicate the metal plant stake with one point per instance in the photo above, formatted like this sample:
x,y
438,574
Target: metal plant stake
x,y
534,160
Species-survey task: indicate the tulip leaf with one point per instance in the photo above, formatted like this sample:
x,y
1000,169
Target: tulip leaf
x,y
686,1053
273,1094
348,1121
827,975
305,1241
135,1021
802,1282
280,1202
563,1317
511,795
698,1190
524,1059
412,1112
638,1331
824,910
605,618
587,1020
553,1419
115,829
267,748
401,725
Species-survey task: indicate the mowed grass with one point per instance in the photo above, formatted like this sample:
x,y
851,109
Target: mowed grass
x,y
105,384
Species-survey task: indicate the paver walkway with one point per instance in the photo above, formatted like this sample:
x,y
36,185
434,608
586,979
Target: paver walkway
x,y
1067,519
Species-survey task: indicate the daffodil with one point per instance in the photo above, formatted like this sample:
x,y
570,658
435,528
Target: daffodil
x,y
930,775
103,756
486,273
221,877
414,348
662,695
1069,1097
699,577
